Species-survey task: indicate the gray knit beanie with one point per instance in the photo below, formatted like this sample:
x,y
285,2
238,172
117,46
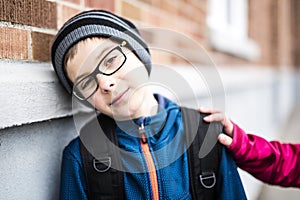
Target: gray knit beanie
x,y
95,23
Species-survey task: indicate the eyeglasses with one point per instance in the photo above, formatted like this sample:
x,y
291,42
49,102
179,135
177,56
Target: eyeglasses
x,y
108,65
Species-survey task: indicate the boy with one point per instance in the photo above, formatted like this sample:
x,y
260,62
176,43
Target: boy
x,y
102,59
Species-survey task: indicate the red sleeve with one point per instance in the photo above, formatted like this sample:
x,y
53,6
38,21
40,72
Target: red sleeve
x,y
271,162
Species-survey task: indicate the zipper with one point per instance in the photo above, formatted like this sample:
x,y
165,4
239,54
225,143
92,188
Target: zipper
x,y
150,162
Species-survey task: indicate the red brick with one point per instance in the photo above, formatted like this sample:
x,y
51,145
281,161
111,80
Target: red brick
x,y
131,11
160,57
285,45
154,3
296,30
150,2
14,43
73,1
263,29
101,4
40,13
65,13
151,17
170,7
198,4
41,44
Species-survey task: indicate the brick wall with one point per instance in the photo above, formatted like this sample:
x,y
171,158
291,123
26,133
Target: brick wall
x,y
271,26
27,27
296,31
260,24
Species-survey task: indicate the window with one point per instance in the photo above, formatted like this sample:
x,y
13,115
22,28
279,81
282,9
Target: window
x,y
228,28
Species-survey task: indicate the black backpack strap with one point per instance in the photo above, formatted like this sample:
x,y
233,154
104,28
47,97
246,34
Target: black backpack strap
x,y
204,153
103,181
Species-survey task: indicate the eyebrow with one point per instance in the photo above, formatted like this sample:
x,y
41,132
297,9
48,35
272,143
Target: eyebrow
x,y
80,77
104,51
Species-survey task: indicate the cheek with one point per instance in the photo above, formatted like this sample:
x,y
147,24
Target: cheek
x,y
136,98
134,71
98,102
136,76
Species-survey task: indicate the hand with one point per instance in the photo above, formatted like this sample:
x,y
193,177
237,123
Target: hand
x,y
217,116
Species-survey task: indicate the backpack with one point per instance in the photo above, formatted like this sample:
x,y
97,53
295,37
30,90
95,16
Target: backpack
x,y
105,182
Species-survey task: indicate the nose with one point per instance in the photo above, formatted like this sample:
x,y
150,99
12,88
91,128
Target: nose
x,y
106,83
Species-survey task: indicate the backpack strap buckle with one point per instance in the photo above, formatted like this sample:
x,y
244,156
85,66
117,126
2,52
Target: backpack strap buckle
x,y
102,165
208,179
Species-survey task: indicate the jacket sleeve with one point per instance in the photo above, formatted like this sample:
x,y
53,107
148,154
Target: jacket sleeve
x,y
272,162
72,185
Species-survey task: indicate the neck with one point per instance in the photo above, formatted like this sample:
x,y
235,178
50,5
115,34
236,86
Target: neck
x,y
149,106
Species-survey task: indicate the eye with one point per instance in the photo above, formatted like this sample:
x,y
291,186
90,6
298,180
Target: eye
x,y
110,61
86,83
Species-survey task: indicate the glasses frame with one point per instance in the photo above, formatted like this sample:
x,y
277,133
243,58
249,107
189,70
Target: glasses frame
x,y
97,71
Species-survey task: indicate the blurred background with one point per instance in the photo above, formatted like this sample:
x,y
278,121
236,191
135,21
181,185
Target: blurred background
x,y
253,44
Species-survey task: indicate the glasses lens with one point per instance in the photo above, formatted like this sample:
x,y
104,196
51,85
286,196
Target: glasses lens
x,y
85,87
112,62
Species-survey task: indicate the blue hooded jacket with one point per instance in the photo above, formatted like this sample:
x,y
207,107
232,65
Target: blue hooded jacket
x,y
165,138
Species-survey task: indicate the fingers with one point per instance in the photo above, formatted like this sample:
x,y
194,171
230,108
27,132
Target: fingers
x,y
217,116
208,110
225,139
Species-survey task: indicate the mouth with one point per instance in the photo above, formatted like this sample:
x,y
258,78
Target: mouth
x,y
119,98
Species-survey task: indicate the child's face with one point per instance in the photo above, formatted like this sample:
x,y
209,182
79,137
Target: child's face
x,y
119,95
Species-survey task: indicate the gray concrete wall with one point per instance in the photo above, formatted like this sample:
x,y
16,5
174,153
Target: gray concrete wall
x,y
30,92
35,125
31,158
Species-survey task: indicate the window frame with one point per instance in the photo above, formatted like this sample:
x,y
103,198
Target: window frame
x,y
227,23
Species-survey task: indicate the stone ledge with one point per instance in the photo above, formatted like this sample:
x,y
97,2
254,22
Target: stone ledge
x,y
47,99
